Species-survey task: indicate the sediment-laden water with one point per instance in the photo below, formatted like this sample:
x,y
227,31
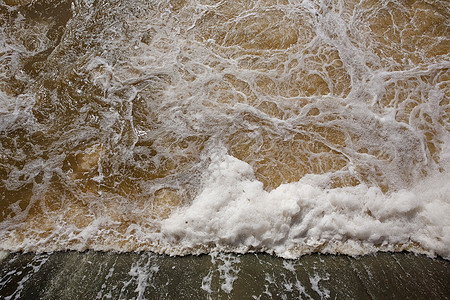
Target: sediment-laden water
x,y
188,127
130,275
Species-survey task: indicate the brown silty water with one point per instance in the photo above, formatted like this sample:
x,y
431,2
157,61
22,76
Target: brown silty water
x,y
110,110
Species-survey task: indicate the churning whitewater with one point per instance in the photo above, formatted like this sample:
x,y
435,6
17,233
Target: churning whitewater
x,y
197,126
233,212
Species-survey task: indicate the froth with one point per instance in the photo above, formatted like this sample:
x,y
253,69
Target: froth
x,y
233,212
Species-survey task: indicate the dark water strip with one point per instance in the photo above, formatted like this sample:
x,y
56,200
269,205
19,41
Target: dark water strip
x,y
108,275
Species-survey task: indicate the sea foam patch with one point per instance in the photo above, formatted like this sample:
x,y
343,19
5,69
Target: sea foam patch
x,y
234,213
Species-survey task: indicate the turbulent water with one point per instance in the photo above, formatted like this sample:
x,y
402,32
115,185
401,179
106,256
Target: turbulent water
x,y
130,275
197,126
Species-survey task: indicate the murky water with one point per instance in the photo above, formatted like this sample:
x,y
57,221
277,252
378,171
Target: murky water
x,y
96,275
196,126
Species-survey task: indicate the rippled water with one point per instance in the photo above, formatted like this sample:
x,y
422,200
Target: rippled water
x,y
109,275
186,127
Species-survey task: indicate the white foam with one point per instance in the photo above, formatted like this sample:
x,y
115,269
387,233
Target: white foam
x,y
323,293
297,283
142,272
206,283
228,271
234,213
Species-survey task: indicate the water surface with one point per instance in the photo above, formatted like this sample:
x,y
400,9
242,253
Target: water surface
x,y
188,127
